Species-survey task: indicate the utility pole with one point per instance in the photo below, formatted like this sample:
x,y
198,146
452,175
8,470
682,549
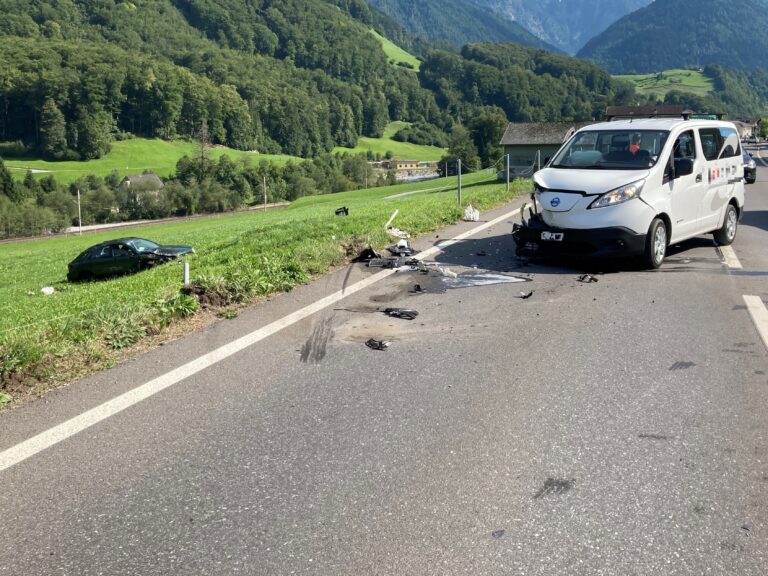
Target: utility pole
x,y
507,157
458,167
79,214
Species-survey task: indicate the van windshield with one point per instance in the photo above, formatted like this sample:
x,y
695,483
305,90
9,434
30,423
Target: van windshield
x,y
612,150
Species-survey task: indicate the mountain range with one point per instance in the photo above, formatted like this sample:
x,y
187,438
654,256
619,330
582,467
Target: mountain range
x,y
455,23
567,24
674,34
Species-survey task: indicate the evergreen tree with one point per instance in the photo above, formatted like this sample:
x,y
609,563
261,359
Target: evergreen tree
x,y
461,147
7,186
53,131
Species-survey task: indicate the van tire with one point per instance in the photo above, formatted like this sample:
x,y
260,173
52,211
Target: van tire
x,y
725,235
655,244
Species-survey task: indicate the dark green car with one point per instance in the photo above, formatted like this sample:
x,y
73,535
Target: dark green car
x,y
121,256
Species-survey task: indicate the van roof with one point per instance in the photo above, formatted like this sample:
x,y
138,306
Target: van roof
x,y
656,124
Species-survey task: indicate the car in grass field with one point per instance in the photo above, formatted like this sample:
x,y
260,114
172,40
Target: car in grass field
x,y
121,256
750,168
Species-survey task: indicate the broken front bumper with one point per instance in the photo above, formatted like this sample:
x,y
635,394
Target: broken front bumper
x,y
534,238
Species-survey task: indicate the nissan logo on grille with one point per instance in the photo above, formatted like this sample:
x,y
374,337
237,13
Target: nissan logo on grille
x,y
555,202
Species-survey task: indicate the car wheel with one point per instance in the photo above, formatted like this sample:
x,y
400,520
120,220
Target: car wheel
x,y
725,235
85,276
655,244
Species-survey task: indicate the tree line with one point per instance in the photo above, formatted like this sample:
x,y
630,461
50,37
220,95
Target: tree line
x,y
200,185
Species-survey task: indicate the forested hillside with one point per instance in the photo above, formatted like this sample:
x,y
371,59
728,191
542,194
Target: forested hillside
x,y
679,34
281,76
457,22
526,84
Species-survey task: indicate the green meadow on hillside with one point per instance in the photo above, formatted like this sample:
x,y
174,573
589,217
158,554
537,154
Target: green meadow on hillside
x,y
396,54
659,83
49,340
134,156
399,150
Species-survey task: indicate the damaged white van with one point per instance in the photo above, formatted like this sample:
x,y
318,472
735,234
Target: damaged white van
x,y
632,187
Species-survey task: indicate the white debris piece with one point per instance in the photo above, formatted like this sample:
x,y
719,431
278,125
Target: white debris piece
x,y
471,214
392,231
48,290
448,272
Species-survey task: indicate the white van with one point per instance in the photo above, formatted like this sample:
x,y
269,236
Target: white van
x,y
631,187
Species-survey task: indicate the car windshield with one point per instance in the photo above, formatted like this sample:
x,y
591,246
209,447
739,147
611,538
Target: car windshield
x,y
142,245
612,150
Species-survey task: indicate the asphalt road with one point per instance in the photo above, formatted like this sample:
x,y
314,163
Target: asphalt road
x,y
615,427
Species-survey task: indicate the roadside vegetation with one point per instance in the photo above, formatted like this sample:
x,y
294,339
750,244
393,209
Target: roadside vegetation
x,y
48,340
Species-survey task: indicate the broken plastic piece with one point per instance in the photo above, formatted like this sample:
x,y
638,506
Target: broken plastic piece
x,y
471,214
525,295
377,344
448,272
48,290
396,232
367,255
343,211
417,289
384,263
402,248
404,313
586,278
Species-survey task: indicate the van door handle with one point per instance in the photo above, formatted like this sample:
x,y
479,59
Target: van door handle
x,y
698,177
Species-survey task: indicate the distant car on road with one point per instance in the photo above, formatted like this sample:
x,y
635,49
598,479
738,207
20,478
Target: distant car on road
x,y
750,168
121,256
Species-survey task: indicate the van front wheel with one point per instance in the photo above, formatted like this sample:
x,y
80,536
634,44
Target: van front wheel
x,y
655,244
725,235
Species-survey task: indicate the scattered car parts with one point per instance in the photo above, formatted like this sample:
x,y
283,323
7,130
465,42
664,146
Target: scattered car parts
x,y
374,344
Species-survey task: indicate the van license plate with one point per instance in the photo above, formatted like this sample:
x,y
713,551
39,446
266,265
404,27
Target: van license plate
x,y
557,236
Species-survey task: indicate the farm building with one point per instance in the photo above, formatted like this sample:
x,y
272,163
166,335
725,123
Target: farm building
x,y
526,141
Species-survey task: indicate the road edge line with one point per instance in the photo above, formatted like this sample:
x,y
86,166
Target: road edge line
x,y
759,314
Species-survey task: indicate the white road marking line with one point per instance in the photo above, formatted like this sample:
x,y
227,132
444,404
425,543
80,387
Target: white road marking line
x,y
729,256
52,436
759,315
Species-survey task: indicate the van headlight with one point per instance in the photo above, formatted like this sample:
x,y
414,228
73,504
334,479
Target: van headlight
x,y
619,195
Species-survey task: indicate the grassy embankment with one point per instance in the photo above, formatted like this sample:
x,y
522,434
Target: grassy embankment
x,y
46,341
659,83
133,157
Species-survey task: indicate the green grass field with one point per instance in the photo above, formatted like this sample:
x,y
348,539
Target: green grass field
x,y
399,150
660,83
396,54
46,340
133,157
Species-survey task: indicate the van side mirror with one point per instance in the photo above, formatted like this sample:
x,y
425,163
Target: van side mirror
x,y
683,167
